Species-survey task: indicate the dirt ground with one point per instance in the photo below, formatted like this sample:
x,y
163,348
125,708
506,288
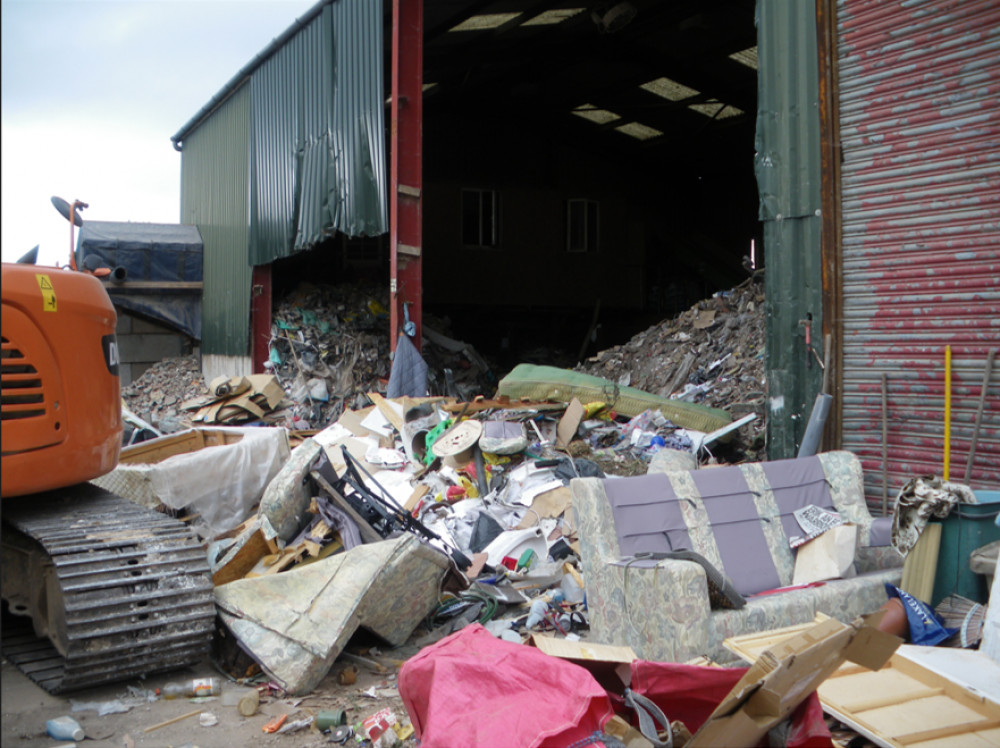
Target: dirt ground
x,y
26,708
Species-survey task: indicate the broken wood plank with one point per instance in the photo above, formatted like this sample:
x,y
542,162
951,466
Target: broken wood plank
x,y
387,410
502,403
241,528
156,450
288,557
920,566
252,551
418,493
320,531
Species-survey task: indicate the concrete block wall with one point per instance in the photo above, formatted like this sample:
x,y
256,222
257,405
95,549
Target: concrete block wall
x,y
142,343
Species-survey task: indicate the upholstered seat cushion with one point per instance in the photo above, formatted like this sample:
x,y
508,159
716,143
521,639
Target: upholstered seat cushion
x,y
739,518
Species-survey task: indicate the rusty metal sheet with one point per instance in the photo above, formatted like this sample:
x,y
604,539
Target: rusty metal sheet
x,y
919,111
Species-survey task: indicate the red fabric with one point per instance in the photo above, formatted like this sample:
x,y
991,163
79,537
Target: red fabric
x,y
476,691
690,693
809,728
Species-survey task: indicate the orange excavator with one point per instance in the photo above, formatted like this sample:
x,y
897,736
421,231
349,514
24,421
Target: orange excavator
x,y
95,588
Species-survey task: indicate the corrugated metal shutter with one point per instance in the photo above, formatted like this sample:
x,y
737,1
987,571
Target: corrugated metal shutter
x,y
919,108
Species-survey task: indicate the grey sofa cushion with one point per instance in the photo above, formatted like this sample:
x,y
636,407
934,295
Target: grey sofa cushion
x,y
647,514
649,517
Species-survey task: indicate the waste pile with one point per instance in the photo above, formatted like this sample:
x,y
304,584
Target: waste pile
x,y
480,484
330,345
238,399
158,394
713,353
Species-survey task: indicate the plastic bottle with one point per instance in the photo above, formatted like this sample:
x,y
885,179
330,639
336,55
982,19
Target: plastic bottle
x,y
196,687
572,591
64,728
537,613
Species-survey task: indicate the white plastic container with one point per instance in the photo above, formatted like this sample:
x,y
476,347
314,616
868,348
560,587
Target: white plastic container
x,y
64,728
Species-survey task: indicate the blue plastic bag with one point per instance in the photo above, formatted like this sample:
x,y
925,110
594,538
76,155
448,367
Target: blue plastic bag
x,y
925,626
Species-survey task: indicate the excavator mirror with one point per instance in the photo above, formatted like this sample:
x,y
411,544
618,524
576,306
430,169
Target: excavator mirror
x,y
64,209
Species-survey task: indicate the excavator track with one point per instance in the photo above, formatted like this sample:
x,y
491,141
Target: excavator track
x,y
120,590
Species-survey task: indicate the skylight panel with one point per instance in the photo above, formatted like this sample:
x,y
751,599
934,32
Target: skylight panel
x,y
639,131
552,17
669,89
484,21
600,116
716,109
746,57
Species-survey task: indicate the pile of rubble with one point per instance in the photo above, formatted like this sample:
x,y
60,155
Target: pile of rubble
x,y
712,353
329,347
158,395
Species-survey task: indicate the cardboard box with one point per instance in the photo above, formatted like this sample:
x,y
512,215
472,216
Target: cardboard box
x,y
609,664
786,674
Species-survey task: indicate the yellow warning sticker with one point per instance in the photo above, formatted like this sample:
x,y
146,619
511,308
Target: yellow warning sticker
x,y
48,292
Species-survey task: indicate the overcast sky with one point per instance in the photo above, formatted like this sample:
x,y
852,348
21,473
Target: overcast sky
x,y
92,90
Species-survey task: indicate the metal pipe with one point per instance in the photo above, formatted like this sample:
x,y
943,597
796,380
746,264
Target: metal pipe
x,y
885,444
979,413
814,429
946,472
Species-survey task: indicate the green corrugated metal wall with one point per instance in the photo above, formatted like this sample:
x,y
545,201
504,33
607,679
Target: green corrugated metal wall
x,y
318,134
215,196
787,164
296,154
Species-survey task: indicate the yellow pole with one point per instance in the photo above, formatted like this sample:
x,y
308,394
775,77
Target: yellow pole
x,y
947,411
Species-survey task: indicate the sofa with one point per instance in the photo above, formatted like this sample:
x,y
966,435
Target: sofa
x,y
737,519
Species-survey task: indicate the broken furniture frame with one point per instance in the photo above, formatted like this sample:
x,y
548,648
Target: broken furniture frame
x,y
377,508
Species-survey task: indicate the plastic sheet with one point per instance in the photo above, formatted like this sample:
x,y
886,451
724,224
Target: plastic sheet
x,y
222,483
162,254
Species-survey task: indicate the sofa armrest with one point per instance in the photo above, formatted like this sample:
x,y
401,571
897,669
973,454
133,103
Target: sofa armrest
x,y
876,558
595,523
660,608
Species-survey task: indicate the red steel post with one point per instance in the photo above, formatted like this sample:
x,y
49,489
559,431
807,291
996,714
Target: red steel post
x,y
405,177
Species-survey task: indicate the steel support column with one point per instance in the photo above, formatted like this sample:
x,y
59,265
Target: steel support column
x,y
405,177
260,317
